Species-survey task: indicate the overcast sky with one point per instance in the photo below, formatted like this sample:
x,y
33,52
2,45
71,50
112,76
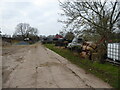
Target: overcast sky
x,y
42,14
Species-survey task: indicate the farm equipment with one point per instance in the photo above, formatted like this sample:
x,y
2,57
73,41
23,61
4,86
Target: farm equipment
x,y
47,40
61,41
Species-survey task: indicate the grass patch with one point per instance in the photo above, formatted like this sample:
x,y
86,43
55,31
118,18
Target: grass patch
x,y
107,72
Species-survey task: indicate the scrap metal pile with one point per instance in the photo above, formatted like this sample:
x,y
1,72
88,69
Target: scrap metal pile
x,y
85,49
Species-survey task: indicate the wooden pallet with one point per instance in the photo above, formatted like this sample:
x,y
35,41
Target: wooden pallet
x,y
113,62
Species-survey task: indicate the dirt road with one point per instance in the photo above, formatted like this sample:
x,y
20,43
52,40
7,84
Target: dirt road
x,y
38,67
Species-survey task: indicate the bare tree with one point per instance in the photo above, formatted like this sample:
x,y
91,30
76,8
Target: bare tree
x,y
32,31
22,29
25,30
97,17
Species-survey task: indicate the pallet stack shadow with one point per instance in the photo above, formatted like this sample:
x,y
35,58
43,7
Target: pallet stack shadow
x,y
113,51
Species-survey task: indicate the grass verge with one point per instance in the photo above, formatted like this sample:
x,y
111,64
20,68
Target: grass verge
x,y
107,72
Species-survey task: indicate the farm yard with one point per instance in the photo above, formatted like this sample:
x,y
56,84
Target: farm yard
x,y
60,44
55,63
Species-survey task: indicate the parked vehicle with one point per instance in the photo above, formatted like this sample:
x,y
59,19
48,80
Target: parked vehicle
x,y
76,44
